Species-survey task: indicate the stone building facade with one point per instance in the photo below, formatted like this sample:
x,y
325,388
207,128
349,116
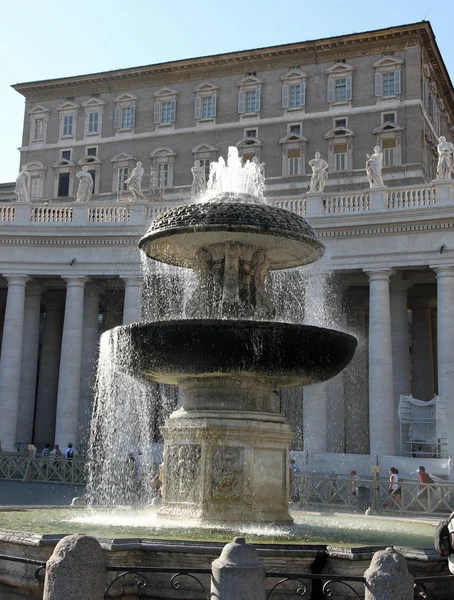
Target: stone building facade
x,y
71,269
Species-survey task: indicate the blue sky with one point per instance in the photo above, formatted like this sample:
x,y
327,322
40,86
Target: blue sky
x,y
47,39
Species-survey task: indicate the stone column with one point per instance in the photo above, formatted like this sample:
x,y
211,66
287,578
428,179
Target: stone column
x,y
132,304
445,311
381,397
315,423
400,354
30,344
11,359
335,441
89,359
356,405
46,397
70,363
422,350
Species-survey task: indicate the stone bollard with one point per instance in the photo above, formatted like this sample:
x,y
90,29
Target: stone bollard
x,y
76,570
388,578
238,574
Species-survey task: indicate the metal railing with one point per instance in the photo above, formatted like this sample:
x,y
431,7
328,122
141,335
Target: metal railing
x,y
333,491
50,469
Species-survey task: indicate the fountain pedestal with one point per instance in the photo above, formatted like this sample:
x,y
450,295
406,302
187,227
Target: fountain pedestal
x,y
226,453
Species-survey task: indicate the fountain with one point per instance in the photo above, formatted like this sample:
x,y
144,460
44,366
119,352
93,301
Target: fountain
x,y
226,450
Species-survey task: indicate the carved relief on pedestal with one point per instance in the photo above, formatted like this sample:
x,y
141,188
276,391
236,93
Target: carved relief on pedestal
x,y
182,472
227,473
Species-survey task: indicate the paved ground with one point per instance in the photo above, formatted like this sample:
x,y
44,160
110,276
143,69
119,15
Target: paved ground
x,y
38,494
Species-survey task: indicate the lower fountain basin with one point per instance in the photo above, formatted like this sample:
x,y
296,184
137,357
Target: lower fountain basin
x,y
280,354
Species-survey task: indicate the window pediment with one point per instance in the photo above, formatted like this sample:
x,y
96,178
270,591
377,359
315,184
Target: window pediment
x,y
64,163
93,103
35,166
125,98
122,156
89,160
248,141
249,81
38,110
388,62
340,69
388,127
203,148
165,92
162,152
206,87
68,105
339,131
293,138
293,76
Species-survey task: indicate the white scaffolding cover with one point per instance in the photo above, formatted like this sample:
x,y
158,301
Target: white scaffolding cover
x,y
427,418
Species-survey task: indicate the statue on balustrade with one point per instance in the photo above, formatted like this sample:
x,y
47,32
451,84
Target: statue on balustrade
x,y
23,185
319,173
198,180
445,166
134,182
85,189
374,166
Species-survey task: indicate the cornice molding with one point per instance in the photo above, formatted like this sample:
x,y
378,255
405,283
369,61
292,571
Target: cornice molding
x,y
321,50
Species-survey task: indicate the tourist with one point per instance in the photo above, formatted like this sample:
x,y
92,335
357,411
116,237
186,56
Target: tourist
x,y
56,451
294,473
46,451
69,452
354,484
158,481
394,490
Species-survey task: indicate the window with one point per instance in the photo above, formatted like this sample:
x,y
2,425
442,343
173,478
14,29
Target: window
x,y
388,77
68,121
389,152
251,74
162,169
340,90
35,187
293,157
251,102
249,95
340,123
340,157
38,123
39,129
293,90
63,185
339,84
163,175
93,122
205,163
389,117
165,107
205,102
92,151
125,112
296,129
123,174
66,154
166,113
250,133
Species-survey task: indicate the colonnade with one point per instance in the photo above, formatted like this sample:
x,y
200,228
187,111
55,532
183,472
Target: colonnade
x,y
57,401
374,428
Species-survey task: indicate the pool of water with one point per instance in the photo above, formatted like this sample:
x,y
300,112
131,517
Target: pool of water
x,y
309,528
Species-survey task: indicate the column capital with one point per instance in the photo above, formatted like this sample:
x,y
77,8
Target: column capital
x,y
133,280
379,274
93,289
75,280
443,270
34,289
17,279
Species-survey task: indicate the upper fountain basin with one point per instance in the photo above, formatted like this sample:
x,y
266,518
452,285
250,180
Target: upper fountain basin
x,y
177,234
284,354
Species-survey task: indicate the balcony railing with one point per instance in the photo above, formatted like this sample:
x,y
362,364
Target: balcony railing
x,y
435,194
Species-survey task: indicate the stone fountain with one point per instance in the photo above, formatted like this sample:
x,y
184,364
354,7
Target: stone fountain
x,y
226,450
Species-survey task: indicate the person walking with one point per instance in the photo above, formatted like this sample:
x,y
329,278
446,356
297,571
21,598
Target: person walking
x,y
394,490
